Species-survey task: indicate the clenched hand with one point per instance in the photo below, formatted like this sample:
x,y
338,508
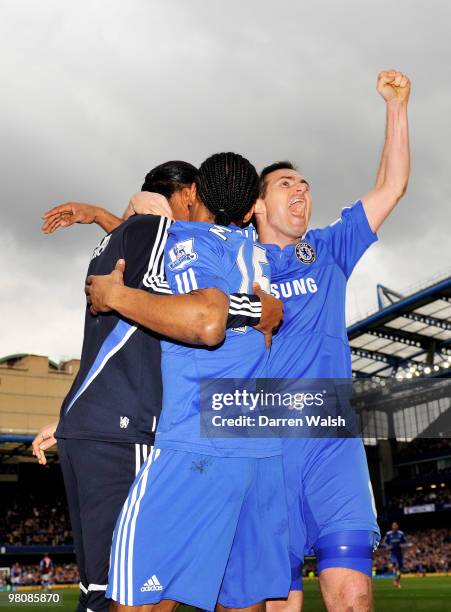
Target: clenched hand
x,y
393,86
99,289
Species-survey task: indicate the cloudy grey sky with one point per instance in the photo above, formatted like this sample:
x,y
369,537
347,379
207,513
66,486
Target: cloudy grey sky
x,y
96,92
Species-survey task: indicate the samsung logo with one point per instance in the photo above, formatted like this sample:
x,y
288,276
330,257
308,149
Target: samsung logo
x,y
300,286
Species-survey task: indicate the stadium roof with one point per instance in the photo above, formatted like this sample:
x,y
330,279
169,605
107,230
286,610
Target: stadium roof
x,y
10,360
408,336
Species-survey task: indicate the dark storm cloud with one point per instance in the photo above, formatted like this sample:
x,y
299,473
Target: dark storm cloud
x,y
96,93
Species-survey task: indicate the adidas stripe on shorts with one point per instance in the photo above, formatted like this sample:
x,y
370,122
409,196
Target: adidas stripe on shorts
x,y
199,529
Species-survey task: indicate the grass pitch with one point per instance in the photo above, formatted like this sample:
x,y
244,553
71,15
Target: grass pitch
x,y
427,594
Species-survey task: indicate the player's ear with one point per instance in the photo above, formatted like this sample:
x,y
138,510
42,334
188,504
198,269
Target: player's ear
x,y
260,207
248,215
186,197
193,192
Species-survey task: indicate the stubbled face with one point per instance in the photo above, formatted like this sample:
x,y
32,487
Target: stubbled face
x,y
284,211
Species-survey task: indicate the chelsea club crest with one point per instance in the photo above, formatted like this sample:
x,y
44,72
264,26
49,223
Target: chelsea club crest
x,y
305,253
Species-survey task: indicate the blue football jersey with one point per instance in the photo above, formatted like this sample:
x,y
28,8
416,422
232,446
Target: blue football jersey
x,y
310,278
200,256
395,540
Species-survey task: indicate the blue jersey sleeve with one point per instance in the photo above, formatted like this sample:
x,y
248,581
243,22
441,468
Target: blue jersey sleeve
x,y
349,237
195,260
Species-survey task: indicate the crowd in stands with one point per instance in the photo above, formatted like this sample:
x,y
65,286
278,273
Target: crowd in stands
x,y
29,575
428,551
417,498
26,522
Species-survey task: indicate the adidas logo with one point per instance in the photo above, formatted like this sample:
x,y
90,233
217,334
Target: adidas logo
x,y
153,584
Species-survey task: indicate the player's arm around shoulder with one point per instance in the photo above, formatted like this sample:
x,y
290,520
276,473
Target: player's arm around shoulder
x,y
193,315
192,318
394,170
65,215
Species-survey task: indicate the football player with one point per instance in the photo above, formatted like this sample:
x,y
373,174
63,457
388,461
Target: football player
x,y
331,505
396,541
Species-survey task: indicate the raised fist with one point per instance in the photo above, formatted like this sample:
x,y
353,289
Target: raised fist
x,y
393,85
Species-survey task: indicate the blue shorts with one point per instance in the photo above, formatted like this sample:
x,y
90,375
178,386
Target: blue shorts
x,y
200,529
329,492
397,558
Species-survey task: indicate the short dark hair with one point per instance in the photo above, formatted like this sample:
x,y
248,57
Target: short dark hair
x,y
170,177
279,165
228,185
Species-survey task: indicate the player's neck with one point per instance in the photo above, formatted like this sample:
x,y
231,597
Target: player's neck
x,y
270,235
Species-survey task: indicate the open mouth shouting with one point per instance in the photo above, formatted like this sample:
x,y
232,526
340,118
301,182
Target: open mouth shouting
x,y
297,206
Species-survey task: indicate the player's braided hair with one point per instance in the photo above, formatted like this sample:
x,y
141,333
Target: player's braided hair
x,y
227,184
169,177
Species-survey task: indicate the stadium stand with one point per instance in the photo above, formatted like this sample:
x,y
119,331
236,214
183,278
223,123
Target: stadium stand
x,y
28,521
30,575
429,551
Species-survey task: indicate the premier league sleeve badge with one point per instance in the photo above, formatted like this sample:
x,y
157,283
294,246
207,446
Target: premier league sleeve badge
x,y
305,252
